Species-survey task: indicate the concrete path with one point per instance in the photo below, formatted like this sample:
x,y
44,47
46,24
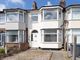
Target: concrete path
x,y
59,55
37,54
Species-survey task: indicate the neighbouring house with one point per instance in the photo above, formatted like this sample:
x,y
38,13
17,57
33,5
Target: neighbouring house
x,y
73,26
14,28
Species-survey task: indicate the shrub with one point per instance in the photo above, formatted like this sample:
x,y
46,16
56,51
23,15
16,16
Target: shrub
x,y
2,51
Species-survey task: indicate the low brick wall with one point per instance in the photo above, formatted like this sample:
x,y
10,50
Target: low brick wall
x,y
24,46
17,46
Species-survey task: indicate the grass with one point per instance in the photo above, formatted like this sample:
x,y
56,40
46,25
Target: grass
x,y
2,51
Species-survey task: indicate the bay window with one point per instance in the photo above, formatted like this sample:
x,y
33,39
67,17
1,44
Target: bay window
x,y
12,17
76,13
12,36
50,14
15,36
2,18
50,35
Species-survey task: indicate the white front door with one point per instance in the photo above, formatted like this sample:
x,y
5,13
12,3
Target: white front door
x,y
35,40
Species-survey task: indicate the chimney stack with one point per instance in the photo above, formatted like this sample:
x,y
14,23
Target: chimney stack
x,y
34,5
62,3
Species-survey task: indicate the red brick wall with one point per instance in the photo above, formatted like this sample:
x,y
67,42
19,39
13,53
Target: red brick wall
x,y
20,46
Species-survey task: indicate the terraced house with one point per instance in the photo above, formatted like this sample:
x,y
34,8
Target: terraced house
x,y
13,28
44,27
50,26
73,25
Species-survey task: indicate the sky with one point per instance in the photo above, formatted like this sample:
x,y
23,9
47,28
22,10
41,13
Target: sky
x,y
27,4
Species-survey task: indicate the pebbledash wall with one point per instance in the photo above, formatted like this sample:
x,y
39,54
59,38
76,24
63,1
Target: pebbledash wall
x,y
39,28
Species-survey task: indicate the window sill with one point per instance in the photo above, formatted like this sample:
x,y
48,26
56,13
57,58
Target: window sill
x,y
2,23
12,42
34,21
49,20
51,42
13,22
74,20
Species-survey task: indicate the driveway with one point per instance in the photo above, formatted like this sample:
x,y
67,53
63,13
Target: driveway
x,y
37,54
31,55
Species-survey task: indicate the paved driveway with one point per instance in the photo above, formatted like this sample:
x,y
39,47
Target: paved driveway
x,y
59,55
37,54
31,55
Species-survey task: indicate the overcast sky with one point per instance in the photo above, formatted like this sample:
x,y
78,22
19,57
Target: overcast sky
x,y
27,4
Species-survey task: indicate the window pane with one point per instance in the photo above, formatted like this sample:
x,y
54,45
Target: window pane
x,y
50,35
34,17
12,17
0,43
50,14
50,31
0,37
12,36
21,17
76,13
25,18
60,14
20,36
50,38
78,39
2,18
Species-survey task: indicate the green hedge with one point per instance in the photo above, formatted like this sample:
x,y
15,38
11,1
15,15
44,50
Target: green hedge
x,y
2,51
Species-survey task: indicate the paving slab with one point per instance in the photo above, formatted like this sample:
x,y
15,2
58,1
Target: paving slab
x,y
60,55
31,55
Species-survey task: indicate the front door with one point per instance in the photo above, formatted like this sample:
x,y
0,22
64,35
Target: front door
x,y
35,40
2,39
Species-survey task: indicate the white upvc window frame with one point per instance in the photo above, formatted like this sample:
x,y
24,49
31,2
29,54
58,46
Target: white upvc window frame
x,y
70,14
34,14
19,36
42,36
75,14
58,15
12,13
22,17
2,42
7,41
50,19
4,18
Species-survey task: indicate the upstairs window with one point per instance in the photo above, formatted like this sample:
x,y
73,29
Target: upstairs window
x,y
21,17
34,17
2,18
50,14
60,14
76,13
12,17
